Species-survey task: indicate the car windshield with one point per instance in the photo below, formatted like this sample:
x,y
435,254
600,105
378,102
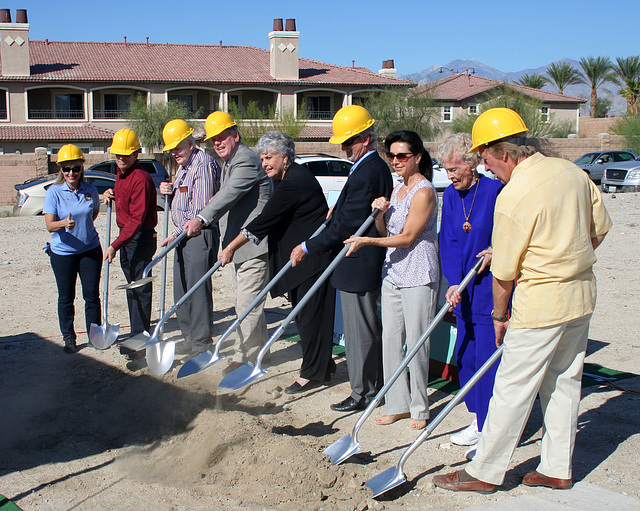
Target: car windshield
x,y
587,158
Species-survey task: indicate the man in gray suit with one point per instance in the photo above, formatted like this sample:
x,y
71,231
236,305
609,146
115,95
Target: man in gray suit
x,y
244,191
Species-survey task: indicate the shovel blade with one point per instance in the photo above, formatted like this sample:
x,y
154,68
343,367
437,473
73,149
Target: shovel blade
x,y
137,342
198,363
137,283
241,377
160,357
103,336
342,449
386,481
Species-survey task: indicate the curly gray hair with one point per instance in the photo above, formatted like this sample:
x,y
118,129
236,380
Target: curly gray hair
x,y
458,144
277,142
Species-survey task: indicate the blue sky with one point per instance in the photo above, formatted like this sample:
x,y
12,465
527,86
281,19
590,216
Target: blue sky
x,y
416,34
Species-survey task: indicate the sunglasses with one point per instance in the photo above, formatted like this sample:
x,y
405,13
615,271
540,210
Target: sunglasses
x,y
77,169
401,157
350,141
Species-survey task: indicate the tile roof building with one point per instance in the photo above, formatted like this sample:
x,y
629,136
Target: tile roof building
x,y
53,91
462,93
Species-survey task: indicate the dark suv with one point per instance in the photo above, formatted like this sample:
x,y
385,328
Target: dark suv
x,y
153,167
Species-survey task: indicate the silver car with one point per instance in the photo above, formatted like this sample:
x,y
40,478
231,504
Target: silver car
x,y
596,163
622,177
30,194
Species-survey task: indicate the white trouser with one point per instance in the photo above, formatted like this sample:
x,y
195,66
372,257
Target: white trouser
x,y
547,361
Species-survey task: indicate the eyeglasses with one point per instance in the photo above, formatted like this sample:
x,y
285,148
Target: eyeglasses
x,y
350,141
401,157
76,170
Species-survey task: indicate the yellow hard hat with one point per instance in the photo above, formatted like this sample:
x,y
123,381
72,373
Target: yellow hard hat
x,y
69,152
175,132
348,122
125,142
494,124
217,122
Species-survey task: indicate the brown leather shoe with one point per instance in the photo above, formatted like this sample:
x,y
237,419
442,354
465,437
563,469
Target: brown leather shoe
x,y
453,482
535,478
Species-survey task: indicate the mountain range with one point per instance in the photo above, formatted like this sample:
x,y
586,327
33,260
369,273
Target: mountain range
x,y
435,72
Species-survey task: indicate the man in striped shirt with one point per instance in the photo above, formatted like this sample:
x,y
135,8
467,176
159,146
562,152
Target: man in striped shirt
x,y
196,181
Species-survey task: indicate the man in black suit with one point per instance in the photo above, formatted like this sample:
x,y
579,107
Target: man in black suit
x,y
358,277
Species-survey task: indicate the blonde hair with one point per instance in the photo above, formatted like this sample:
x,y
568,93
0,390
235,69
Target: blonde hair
x,y
60,178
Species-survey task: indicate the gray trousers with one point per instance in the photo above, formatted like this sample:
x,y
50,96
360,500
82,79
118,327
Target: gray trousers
x,y
193,258
363,342
406,314
250,277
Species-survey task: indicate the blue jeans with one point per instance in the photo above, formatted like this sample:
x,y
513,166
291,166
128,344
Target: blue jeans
x,y
66,269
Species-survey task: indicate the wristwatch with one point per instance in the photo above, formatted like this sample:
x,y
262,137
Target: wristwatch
x,y
502,319
203,222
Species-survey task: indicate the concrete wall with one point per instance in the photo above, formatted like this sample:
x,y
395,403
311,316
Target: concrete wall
x,y
591,127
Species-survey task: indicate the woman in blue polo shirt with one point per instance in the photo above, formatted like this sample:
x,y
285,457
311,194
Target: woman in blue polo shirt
x,y
70,208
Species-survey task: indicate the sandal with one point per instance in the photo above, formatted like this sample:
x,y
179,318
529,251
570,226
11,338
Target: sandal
x,y
390,419
418,423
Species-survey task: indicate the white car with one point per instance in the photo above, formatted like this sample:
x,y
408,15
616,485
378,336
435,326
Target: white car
x,y
441,181
330,171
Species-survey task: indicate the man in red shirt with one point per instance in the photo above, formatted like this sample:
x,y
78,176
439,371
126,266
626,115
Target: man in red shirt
x,y
137,217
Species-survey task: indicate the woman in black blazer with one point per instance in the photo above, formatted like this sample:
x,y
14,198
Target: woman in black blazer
x,y
294,211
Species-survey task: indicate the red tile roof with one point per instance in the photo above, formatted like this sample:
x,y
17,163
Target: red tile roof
x,y
460,87
316,132
54,133
140,62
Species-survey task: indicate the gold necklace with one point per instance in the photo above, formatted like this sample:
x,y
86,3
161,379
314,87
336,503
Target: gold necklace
x,y
466,227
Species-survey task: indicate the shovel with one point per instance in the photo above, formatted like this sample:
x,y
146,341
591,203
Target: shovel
x,y
103,336
144,340
248,373
206,359
160,356
162,255
348,445
394,476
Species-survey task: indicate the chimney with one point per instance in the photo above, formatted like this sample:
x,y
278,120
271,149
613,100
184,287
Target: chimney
x,y
387,69
283,46
14,43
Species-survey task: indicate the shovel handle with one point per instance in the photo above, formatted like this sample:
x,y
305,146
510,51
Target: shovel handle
x,y
324,276
262,294
450,405
163,254
105,292
409,356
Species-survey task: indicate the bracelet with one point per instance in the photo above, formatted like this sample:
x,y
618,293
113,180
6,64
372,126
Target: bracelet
x,y
502,319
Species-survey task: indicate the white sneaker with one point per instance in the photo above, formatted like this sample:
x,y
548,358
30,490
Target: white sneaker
x,y
470,453
468,436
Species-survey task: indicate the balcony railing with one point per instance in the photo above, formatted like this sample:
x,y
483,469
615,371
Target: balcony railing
x,y
319,114
55,114
110,114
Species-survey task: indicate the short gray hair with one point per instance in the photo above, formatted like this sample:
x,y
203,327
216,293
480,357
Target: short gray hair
x,y
373,136
458,144
277,142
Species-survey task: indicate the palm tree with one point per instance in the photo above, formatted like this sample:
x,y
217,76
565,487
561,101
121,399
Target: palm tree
x,y
596,72
563,74
535,81
628,71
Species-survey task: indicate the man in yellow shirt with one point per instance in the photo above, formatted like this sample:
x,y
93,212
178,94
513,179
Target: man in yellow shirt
x,y
549,219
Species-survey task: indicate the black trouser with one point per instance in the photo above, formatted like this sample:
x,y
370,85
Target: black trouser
x,y
134,257
315,326
66,269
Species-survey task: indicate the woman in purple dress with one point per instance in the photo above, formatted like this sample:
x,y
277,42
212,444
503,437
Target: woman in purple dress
x,y
465,235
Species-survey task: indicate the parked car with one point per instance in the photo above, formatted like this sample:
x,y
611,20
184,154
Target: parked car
x,y
596,163
153,167
30,194
622,177
330,171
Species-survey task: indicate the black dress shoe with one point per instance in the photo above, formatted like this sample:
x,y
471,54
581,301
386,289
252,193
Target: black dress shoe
x,y
296,388
349,405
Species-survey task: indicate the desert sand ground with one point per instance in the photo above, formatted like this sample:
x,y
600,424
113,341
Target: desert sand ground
x,y
81,431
